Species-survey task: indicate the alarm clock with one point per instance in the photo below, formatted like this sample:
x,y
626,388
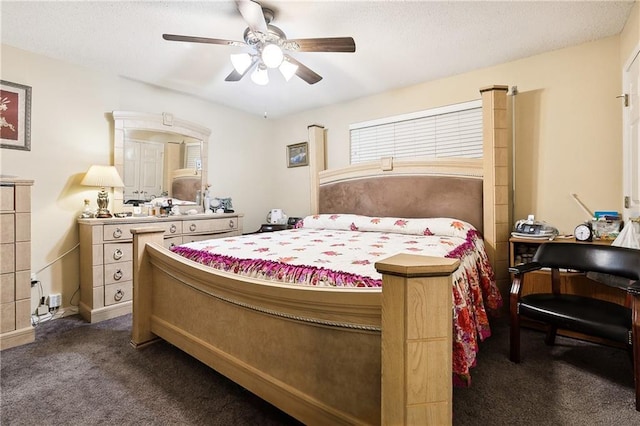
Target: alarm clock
x,y
583,232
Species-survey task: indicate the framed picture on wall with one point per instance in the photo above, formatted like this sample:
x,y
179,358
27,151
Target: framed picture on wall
x,y
15,116
298,155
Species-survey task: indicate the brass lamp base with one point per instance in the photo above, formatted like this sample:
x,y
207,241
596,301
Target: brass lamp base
x,y
103,214
103,202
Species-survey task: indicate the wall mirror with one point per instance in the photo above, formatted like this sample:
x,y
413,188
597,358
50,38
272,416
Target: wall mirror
x,y
158,155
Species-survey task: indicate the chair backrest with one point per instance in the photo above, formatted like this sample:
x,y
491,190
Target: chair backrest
x,y
612,260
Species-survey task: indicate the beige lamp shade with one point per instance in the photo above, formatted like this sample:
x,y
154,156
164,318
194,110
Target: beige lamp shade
x,y
102,176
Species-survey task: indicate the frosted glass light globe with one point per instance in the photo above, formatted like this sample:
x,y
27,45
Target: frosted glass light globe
x,y
260,76
272,55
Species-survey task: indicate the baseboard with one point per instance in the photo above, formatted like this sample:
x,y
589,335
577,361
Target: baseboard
x,y
107,312
11,339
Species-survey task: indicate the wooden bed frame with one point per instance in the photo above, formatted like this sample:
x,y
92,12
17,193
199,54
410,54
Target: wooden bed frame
x,y
333,355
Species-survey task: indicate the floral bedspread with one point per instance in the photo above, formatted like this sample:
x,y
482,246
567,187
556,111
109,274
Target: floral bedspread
x,y
340,250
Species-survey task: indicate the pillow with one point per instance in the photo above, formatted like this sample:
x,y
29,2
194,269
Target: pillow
x,y
329,221
421,226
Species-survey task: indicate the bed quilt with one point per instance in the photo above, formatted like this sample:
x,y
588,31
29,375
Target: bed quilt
x,y
341,250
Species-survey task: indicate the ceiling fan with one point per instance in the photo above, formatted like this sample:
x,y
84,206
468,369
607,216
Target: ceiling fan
x,y
269,45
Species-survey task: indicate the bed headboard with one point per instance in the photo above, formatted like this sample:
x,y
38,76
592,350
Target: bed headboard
x,y
434,188
473,180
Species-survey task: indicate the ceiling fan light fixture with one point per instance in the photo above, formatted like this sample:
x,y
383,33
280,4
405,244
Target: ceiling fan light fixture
x,y
288,70
260,76
241,62
272,55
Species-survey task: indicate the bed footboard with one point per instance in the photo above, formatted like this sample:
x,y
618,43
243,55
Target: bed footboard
x,y
323,355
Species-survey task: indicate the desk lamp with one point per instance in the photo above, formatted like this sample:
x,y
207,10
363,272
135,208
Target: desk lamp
x,y
102,176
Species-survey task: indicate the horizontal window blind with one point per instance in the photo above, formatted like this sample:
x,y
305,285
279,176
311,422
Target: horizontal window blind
x,y
192,156
450,131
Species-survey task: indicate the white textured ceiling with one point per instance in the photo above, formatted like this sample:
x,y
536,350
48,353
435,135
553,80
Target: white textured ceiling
x,y
398,43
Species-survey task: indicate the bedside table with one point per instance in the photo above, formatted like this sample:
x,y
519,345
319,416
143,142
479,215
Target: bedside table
x,y
272,227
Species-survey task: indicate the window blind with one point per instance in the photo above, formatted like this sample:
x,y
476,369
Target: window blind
x,y
192,156
450,131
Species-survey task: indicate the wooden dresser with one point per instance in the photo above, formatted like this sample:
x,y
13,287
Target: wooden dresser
x,y
15,262
106,250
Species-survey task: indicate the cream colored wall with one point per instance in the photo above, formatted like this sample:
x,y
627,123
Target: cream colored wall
x,y
71,129
568,129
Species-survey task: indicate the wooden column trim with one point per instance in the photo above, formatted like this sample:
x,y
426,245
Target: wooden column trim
x,y
417,340
317,163
496,195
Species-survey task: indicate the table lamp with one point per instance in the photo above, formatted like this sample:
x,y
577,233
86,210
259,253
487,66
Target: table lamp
x,y
102,176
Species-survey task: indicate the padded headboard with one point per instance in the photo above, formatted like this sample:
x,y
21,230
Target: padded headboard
x,y
185,188
422,192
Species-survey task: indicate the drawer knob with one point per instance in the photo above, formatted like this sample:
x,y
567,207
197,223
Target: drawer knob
x,y
231,224
192,227
117,275
118,295
117,254
117,233
173,229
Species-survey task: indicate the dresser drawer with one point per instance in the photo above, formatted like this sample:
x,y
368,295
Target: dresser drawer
x,y
115,252
7,288
118,272
7,317
7,200
7,258
201,237
117,232
118,293
209,225
171,228
122,231
172,241
7,228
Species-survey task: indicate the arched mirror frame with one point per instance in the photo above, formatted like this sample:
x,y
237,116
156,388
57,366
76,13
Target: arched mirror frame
x,y
164,123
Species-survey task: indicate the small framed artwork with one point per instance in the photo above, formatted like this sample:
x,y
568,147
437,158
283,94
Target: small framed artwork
x,y
15,116
298,155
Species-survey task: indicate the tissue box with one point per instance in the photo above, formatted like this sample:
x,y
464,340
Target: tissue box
x,y
606,229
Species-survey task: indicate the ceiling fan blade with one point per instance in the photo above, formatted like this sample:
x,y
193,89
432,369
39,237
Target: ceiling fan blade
x,y
236,76
329,44
304,72
192,39
252,13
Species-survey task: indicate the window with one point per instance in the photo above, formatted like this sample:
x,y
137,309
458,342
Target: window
x,y
450,131
192,156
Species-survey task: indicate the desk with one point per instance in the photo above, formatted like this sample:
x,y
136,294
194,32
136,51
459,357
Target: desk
x,y
521,250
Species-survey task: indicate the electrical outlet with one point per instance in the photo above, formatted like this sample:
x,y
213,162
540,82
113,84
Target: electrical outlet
x,y
55,300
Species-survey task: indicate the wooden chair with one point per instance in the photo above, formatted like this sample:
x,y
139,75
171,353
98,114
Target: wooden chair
x,y
620,268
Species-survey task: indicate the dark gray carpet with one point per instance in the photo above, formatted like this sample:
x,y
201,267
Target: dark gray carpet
x,y
88,374
571,383
85,374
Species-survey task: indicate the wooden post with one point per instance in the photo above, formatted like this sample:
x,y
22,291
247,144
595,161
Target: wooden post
x,y
417,306
496,199
142,284
317,163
